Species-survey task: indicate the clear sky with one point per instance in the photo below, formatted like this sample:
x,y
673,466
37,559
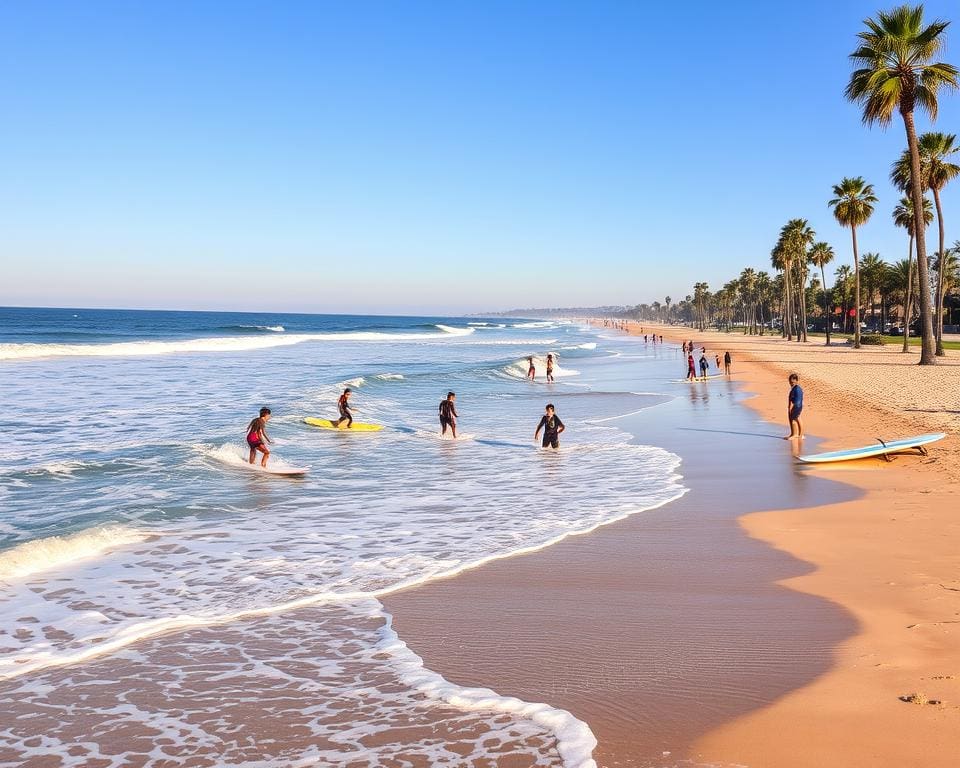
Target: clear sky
x,y
425,157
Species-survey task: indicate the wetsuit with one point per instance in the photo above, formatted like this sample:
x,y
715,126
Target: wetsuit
x,y
796,400
551,426
448,412
345,414
703,366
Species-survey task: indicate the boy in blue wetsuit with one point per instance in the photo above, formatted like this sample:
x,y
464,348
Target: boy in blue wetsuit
x,y
795,408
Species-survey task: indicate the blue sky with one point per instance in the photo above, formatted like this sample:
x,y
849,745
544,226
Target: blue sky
x,y
425,157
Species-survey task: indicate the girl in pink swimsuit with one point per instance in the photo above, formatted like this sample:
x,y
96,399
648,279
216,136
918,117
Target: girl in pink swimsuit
x,y
257,437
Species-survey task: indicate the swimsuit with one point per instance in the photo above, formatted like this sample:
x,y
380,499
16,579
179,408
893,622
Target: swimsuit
x,y
253,440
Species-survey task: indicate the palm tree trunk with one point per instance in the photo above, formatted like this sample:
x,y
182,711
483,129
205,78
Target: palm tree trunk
x,y
927,344
938,325
909,298
827,304
856,290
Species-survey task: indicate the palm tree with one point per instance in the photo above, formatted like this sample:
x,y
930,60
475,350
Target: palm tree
x,y
903,217
897,71
871,274
821,254
842,286
936,170
852,207
764,287
667,300
936,150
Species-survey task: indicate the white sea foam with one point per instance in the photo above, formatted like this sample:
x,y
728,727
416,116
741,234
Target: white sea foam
x,y
389,376
575,740
536,324
58,551
215,344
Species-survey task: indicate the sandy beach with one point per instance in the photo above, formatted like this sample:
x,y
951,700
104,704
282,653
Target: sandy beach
x,y
789,618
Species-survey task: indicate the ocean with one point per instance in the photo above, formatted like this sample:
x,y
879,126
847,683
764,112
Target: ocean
x,y
163,601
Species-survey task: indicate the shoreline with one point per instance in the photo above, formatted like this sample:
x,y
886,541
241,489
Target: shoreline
x,y
593,626
849,553
886,557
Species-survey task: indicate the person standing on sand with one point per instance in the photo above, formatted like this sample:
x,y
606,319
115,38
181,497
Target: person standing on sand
x,y
691,369
703,365
726,362
795,408
550,369
717,358
448,415
552,427
531,370
257,437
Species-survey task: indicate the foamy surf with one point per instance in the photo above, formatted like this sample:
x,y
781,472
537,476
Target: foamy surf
x,y
215,344
55,552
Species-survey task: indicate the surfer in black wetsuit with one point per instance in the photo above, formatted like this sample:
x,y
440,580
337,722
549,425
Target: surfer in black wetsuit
x,y
343,404
552,427
448,415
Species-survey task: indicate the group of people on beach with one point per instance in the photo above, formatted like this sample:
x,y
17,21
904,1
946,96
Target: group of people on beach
x,y
688,348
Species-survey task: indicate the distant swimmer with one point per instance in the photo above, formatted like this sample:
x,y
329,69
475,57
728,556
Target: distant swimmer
x,y
550,368
726,362
343,405
448,414
531,370
691,368
257,437
552,427
703,365
795,408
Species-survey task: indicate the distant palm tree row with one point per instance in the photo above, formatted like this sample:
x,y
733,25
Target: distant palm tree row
x,y
895,71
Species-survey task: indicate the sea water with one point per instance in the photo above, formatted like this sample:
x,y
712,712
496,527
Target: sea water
x,y
151,584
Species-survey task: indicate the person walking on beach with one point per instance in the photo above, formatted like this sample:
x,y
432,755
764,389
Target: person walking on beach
x,y
703,365
691,368
552,427
343,405
795,408
717,358
448,415
531,370
550,369
726,362
257,437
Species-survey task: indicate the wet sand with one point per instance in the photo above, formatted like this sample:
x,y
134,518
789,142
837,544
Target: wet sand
x,y
660,628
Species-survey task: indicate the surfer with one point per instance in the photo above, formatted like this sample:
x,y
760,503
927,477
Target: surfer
x,y
531,370
448,415
552,427
795,408
691,368
257,437
726,362
343,404
704,364
549,368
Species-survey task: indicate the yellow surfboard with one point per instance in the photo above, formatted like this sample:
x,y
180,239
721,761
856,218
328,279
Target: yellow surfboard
x,y
357,426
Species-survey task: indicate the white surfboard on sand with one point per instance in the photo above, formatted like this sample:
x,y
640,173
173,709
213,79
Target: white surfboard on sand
x,y
881,448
